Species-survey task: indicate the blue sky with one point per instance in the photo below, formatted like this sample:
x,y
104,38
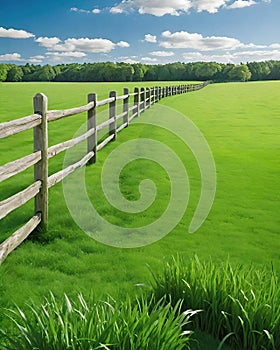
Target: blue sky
x,y
147,31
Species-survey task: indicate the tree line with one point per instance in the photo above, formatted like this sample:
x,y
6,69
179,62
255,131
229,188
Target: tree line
x,y
109,71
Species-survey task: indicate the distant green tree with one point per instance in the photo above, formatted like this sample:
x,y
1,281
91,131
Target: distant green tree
x,y
125,71
177,70
3,72
240,73
275,70
15,74
151,73
164,73
46,73
206,70
139,71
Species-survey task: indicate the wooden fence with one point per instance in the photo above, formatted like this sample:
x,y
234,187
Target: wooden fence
x,y
133,104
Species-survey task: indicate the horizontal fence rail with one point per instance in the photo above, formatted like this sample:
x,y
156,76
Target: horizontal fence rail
x,y
133,104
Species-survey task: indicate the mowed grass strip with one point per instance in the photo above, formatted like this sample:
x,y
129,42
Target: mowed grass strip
x,y
240,123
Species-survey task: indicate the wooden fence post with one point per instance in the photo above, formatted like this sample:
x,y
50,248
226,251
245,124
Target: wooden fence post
x,y
112,115
40,103
156,93
91,124
152,94
143,99
136,101
125,106
148,97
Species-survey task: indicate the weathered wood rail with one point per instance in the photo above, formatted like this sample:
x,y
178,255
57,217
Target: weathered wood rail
x,y
133,104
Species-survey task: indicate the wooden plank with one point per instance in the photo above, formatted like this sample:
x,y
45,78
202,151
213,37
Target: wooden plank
x,y
40,103
122,97
132,108
17,166
132,117
105,102
60,175
63,146
55,115
18,237
18,125
19,199
121,115
124,125
102,125
105,142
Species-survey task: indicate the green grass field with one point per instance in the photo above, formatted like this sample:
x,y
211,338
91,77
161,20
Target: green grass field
x,y
241,124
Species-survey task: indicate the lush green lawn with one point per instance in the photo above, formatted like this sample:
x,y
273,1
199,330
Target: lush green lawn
x,y
241,124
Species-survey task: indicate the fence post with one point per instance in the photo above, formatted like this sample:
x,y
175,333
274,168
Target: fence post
x,y
125,106
40,103
148,97
136,101
91,124
143,99
112,115
156,94
152,95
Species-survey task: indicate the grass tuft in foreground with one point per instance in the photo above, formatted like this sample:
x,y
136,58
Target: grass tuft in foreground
x,y
240,305
79,324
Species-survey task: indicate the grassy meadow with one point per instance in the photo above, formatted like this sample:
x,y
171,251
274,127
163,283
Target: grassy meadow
x,y
241,123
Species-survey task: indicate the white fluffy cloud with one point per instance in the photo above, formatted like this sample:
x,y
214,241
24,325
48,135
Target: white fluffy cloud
x,y
75,9
123,44
234,57
178,7
153,7
36,59
72,54
48,42
81,45
211,6
62,56
14,33
238,4
162,53
185,40
10,57
149,59
150,38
